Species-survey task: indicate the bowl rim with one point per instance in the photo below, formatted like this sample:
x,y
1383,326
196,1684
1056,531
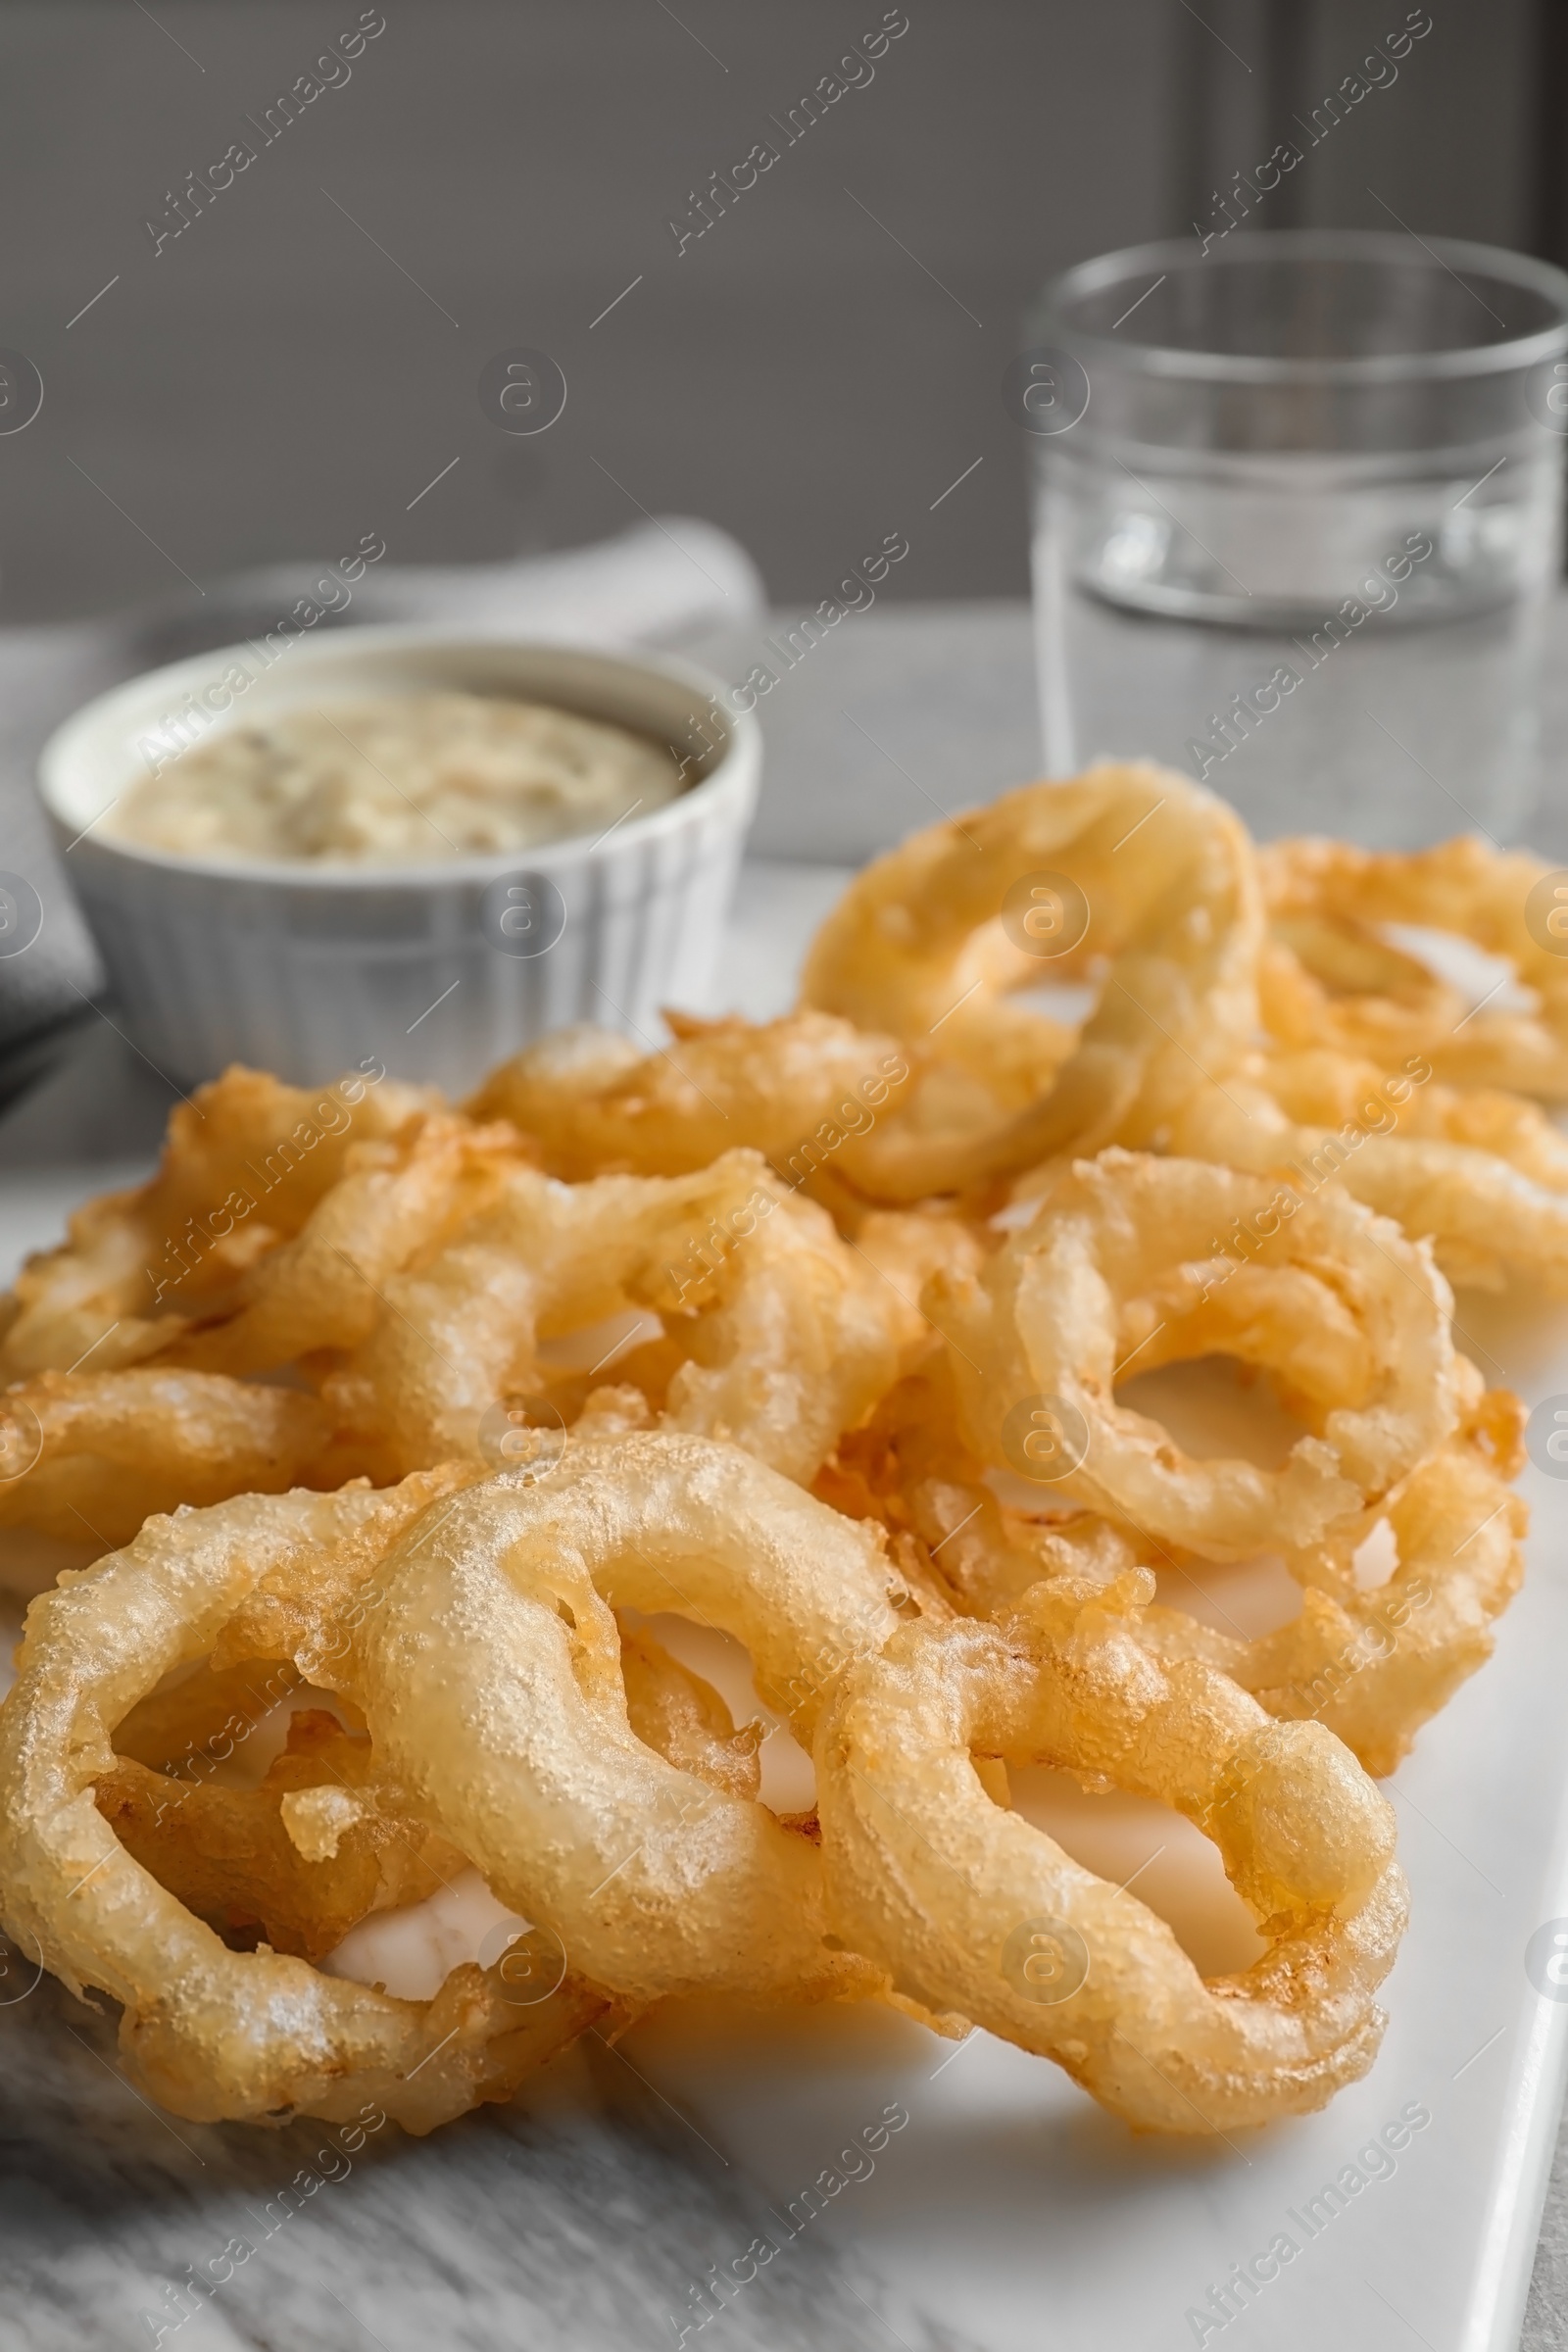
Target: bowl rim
x,y
736,762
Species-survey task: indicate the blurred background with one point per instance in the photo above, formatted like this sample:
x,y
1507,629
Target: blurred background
x,y
288,367
267,256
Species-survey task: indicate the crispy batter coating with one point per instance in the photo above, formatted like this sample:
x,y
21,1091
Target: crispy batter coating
x,y
921,943
1330,978
321,1288
208,2031
235,1856
112,1447
246,1161
322,1840
1473,1175
415,1296
1133,1259
974,1911
490,1676
1374,1662
598,1106
783,1335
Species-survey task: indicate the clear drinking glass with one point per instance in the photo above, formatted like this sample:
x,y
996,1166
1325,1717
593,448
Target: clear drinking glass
x,y
1297,516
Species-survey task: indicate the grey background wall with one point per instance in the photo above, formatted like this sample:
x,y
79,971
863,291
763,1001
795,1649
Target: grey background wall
x,y
302,360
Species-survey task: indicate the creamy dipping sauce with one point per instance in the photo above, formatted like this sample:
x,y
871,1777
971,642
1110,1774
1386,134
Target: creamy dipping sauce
x,y
406,778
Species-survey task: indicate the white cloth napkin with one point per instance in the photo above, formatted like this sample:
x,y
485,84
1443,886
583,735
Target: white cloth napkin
x,y
667,581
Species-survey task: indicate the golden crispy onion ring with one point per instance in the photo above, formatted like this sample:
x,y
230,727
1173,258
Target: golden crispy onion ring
x,y
322,1842
925,943
972,1910
783,1333
323,1286
308,1854
790,1335
1374,1663
1329,1091
1374,1666
1132,1260
1329,978
957,1545
490,1678
246,1161
1473,1175
598,1106
212,2033
104,1450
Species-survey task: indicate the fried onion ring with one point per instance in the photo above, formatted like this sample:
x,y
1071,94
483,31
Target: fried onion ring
x,y
321,1288
114,1447
1330,979
320,1843
1329,1091
1373,1663
246,1161
960,1546
496,1620
956,1897
598,1106
212,2033
784,1335
1488,1212
418,1295
1129,1260
304,1856
920,945
1374,1666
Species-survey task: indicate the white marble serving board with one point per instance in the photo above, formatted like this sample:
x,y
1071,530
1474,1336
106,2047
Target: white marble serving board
x,y
1007,2214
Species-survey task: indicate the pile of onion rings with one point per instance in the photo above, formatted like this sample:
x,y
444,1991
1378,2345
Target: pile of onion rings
x,y
390,1423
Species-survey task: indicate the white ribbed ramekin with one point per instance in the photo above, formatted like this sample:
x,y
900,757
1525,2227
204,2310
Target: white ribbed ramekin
x,y
437,971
